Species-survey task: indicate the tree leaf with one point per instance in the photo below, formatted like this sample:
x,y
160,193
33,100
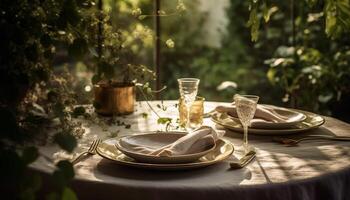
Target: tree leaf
x,y
271,73
344,7
164,120
254,24
267,12
331,20
68,194
63,174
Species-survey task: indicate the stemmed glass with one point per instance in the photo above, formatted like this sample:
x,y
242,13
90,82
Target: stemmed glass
x,y
246,107
188,88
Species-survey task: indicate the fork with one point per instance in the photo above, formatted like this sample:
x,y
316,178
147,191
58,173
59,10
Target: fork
x,y
90,151
293,142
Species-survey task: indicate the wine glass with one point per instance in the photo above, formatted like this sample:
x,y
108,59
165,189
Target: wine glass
x,y
246,107
188,88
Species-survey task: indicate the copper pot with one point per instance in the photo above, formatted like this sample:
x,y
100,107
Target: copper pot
x,y
114,98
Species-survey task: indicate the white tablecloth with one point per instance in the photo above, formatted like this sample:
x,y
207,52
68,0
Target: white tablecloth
x,y
312,170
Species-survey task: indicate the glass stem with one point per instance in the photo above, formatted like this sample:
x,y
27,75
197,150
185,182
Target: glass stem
x,y
245,139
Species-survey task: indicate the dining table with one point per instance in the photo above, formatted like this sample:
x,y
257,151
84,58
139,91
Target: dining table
x,y
311,170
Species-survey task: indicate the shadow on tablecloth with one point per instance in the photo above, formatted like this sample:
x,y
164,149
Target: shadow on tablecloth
x,y
109,168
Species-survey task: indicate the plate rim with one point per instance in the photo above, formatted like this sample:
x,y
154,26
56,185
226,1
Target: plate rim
x,y
274,131
280,123
167,165
121,148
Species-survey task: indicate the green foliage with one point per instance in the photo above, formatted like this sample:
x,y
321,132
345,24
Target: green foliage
x,y
164,120
313,74
78,48
63,174
235,60
336,12
31,33
111,52
68,194
254,21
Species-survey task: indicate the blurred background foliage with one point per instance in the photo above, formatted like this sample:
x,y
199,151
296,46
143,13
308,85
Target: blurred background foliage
x,y
305,69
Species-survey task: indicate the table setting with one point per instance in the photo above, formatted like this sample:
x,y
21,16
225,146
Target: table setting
x,y
222,150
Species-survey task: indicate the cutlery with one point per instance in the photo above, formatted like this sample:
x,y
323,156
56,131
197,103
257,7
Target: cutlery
x,y
245,160
90,151
293,142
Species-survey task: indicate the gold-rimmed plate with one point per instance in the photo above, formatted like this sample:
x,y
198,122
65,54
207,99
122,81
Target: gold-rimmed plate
x,y
108,150
292,118
156,141
311,121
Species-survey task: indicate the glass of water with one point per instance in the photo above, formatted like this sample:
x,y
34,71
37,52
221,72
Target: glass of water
x,y
246,107
188,88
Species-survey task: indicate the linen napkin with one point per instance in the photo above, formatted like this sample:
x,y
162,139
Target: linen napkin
x,y
195,141
263,113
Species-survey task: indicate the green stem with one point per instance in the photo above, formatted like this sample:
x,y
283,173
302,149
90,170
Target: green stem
x,y
147,101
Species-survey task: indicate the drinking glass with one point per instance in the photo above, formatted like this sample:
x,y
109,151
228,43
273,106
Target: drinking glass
x,y
196,112
246,107
188,88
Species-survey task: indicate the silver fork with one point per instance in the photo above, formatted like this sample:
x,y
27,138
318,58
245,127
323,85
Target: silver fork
x,y
294,142
91,151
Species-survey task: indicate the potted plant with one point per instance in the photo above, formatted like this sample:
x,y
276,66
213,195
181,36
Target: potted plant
x,y
115,77
116,93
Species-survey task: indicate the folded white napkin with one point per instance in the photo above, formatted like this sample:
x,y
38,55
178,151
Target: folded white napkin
x,y
263,113
195,141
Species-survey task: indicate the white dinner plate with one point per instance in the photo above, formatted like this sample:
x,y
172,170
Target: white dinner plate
x,y
311,121
156,141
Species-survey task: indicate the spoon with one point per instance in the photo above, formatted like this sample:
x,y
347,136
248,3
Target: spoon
x,y
246,159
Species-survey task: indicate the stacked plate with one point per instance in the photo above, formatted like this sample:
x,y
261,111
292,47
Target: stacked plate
x,y
122,151
297,121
